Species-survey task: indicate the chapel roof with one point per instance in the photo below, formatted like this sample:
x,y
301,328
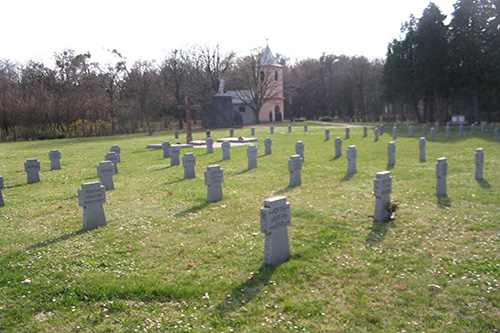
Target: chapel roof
x,y
268,59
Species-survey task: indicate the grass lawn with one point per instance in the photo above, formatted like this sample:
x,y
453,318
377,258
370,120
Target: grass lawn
x,y
169,261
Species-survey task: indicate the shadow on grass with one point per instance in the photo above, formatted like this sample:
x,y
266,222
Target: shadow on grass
x,y
167,167
192,210
335,158
378,232
347,177
286,189
174,181
483,183
444,202
14,186
245,292
241,172
390,167
56,240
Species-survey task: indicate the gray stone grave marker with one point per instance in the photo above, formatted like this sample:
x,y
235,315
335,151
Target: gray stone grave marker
x,y
91,197
210,146
208,133
338,147
441,173
289,128
421,144
299,149
275,217
495,134
483,127
394,132
231,132
226,150
189,161
105,172
410,131
118,151
295,168
448,131
305,128
32,167
268,143
375,134
252,152
165,146
391,154
2,186
424,129
472,129
271,129
365,131
252,131
433,134
347,132
381,129
113,157
461,130
352,155
479,159
176,134
327,134
55,159
382,188
175,156
214,177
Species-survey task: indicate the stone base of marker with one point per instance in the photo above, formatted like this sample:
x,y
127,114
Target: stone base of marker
x,y
55,159
189,161
441,173
295,168
382,188
275,217
2,186
32,168
214,177
91,197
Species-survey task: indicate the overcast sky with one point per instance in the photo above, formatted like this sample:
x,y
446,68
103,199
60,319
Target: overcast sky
x,y
148,30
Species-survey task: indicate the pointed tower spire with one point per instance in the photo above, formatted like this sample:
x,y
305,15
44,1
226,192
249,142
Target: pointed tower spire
x,y
268,58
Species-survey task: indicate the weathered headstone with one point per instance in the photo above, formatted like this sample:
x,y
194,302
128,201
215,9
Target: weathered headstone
x,y
252,152
441,173
305,128
382,188
176,134
495,134
231,132
472,129
208,133
410,131
299,149
268,143
347,132
424,129
271,129
289,128
327,134
275,217
226,148
421,144
214,176
252,131
479,159
32,167
118,151
165,146
105,172
433,134
483,127
91,197
394,132
189,161
381,129
55,159
352,155
461,130
365,131
338,147
210,145
437,128
2,186
113,157
391,154
375,134
295,168
174,156
448,130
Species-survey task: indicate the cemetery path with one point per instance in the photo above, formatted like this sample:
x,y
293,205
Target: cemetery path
x,y
335,124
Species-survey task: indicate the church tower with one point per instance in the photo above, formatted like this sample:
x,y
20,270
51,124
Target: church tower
x,y
271,83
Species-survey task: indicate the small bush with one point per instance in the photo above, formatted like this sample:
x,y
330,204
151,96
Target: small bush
x,y
325,118
299,119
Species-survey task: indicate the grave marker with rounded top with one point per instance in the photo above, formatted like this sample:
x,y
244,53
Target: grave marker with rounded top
x,y
382,188
226,148
347,132
375,134
410,130
268,143
113,157
479,160
338,147
394,132
231,132
448,131
32,167
189,161
175,156
275,217
327,134
2,186
289,128
365,131
210,145
495,132
381,129
252,157
433,134
421,144
441,173
352,155
252,131
461,130
214,176
472,129
105,172
165,146
55,159
271,129
118,151
91,197
299,149
176,134
391,153
295,168
305,128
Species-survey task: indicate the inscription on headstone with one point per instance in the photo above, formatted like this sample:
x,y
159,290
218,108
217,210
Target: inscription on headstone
x,y
268,143
352,155
299,149
105,172
441,173
91,197
189,161
382,188
113,157
32,167
391,153
275,217
175,156
214,177
252,157
295,168
226,150
479,160
55,159
338,147
421,144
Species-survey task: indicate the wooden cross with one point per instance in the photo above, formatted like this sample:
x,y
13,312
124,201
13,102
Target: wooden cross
x,y
188,108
